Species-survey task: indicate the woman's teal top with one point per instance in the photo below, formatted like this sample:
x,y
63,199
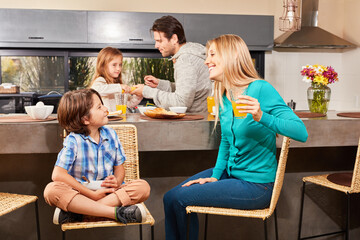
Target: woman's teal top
x,y
248,148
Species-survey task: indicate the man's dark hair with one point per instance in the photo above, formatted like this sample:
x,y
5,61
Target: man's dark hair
x,y
169,26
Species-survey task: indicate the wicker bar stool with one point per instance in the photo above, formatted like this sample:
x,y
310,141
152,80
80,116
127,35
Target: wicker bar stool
x,y
264,214
128,137
10,202
348,183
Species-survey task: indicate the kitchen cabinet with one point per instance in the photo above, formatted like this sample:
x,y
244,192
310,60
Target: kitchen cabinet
x,y
123,27
43,26
27,28
256,31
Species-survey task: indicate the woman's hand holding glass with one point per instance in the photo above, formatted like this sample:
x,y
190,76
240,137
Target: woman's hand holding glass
x,y
251,105
199,181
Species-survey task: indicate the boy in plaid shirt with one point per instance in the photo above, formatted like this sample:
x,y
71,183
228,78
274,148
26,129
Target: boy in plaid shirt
x,y
94,151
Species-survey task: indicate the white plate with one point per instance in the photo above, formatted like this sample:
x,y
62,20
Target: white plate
x,y
213,114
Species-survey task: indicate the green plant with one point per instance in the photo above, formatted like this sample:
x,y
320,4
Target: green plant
x,y
81,72
134,69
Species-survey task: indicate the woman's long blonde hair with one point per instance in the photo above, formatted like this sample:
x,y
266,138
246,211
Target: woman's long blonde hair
x,y
239,69
105,56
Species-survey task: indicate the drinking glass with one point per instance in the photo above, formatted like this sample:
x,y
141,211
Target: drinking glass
x,y
210,103
121,102
234,97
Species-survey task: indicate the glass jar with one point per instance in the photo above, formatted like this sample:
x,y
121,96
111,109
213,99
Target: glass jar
x,y
318,96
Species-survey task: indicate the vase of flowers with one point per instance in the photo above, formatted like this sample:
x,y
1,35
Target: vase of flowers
x,y
318,94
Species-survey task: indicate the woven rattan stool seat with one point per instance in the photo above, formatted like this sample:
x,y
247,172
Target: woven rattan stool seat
x,y
258,213
10,202
323,181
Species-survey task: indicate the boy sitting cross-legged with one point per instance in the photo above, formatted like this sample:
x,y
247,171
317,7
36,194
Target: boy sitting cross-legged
x,y
94,151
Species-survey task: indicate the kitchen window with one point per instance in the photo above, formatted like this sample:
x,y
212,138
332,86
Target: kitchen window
x,y
44,71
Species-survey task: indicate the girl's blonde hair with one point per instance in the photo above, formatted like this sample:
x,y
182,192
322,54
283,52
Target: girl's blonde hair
x,y
239,69
105,56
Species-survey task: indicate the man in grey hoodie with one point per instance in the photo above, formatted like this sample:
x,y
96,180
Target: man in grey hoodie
x,y
192,84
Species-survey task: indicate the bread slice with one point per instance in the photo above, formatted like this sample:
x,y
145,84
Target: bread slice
x,y
162,114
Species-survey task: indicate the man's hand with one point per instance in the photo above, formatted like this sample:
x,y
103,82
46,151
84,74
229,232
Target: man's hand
x,y
151,81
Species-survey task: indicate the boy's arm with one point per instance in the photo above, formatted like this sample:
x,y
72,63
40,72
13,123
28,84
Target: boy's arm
x,y
61,175
119,172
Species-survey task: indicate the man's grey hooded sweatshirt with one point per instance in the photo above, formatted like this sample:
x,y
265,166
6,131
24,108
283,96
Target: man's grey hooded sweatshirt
x,y
192,84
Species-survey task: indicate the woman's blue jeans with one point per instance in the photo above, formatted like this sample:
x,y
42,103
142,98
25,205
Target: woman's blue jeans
x,y
228,192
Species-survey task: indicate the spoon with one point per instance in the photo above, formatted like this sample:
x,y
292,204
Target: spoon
x,y
85,178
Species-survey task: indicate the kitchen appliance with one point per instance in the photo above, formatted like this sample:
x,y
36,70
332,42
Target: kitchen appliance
x,y
15,102
310,35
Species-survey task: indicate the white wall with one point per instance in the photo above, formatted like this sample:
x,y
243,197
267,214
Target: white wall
x,y
339,17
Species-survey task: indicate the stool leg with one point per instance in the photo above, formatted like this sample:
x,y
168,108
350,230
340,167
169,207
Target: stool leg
x,y
347,217
206,224
37,219
188,227
276,226
152,232
63,235
301,210
265,229
140,231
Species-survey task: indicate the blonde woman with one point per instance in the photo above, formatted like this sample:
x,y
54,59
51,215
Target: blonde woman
x,y
107,79
245,169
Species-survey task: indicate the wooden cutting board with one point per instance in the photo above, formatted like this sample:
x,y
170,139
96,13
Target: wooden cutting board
x,y
349,114
309,115
187,117
23,118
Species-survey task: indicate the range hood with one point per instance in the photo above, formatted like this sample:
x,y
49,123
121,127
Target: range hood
x,y
310,35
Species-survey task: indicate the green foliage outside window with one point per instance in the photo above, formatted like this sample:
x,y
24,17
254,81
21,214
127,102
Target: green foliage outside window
x,y
34,74
82,70
134,69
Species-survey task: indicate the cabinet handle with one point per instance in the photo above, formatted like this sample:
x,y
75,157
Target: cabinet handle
x,y
35,37
136,39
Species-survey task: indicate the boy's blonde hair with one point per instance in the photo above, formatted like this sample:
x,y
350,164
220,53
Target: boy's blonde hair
x,y
105,56
73,107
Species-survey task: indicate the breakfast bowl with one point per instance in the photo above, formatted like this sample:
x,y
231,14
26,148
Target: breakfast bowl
x,y
93,185
39,111
143,109
178,109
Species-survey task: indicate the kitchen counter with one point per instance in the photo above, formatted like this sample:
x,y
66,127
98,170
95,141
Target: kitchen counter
x,y
159,135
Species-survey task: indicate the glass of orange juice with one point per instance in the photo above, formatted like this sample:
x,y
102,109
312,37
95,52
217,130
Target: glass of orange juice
x,y
210,103
121,102
237,114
